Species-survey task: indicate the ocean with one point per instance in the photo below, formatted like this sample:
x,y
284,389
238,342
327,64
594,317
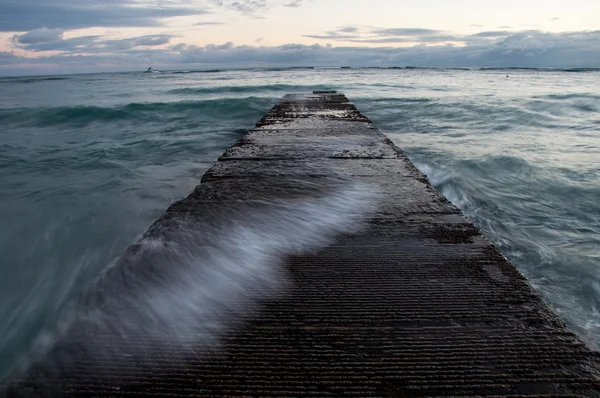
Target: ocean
x,y
89,162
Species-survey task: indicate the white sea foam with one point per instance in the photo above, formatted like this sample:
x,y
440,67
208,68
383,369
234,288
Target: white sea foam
x,y
197,280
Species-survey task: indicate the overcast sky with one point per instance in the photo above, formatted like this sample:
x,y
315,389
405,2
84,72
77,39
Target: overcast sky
x,y
53,36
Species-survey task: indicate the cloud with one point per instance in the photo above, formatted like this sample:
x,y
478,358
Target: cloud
x,y
8,58
42,35
495,33
343,34
428,39
254,6
27,15
529,48
243,6
353,34
72,45
333,36
405,32
208,23
422,36
94,44
293,3
140,41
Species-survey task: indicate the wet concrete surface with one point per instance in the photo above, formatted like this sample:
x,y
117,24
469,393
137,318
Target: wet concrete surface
x,y
414,303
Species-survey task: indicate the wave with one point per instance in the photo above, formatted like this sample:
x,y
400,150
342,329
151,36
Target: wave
x,y
245,89
507,177
512,68
451,179
440,115
544,219
565,104
419,67
21,80
519,68
568,96
396,100
79,115
413,67
407,67
580,70
291,68
189,281
185,72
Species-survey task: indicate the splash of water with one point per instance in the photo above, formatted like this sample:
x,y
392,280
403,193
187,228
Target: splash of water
x,y
191,281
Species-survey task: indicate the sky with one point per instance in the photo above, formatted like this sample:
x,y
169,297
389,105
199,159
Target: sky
x,y
78,36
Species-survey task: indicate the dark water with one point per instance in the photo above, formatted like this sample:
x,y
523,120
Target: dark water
x,y
88,162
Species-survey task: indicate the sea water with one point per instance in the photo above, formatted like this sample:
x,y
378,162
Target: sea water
x,y
89,162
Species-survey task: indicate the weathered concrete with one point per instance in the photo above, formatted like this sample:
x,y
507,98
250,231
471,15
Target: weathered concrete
x,y
417,304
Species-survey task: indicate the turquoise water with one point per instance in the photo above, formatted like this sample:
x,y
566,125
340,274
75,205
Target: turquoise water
x,y
88,162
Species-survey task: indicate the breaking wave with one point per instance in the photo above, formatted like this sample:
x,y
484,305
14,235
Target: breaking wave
x,y
279,88
194,278
81,115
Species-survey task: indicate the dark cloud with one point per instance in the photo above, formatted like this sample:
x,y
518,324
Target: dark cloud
x,y
254,6
529,48
415,36
27,15
43,35
72,45
218,47
179,47
494,33
230,54
243,6
8,58
95,44
140,41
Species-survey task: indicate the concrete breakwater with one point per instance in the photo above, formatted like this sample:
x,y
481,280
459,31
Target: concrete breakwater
x,y
313,260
